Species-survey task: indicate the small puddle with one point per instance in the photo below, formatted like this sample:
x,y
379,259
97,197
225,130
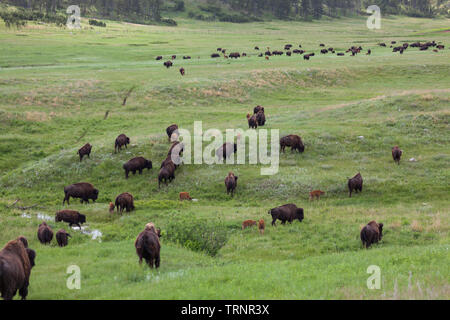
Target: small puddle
x,y
94,233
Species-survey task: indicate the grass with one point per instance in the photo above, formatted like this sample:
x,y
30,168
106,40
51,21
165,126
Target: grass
x,y
56,86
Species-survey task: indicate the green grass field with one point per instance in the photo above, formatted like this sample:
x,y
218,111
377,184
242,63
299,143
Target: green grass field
x,y
57,84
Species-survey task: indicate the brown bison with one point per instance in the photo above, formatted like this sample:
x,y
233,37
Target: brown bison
x,y
136,164
316,194
287,212
171,129
148,246
234,55
355,183
159,58
71,217
85,150
396,154
83,190
175,152
293,141
261,226
166,173
258,109
168,64
121,140
252,122
185,196
111,207
248,223
261,118
226,150
45,233
125,201
231,183
16,262
62,237
182,71
215,55
371,233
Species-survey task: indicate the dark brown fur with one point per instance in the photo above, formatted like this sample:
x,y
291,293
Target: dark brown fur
x,y
70,216
371,233
231,183
171,129
261,118
355,183
137,164
16,262
121,140
62,237
45,233
148,246
252,122
396,154
83,190
125,201
85,150
293,141
287,212
166,173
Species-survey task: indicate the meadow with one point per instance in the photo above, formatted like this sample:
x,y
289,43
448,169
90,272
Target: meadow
x,y
57,84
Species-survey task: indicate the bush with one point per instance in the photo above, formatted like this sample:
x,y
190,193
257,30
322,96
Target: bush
x,y
197,234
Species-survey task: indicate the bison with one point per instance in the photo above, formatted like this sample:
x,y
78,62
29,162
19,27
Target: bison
x,y
316,194
226,150
248,223
136,164
85,150
252,122
166,173
71,217
371,233
16,262
185,196
111,207
124,201
231,183
261,226
215,55
355,183
396,154
261,118
45,233
258,109
171,130
168,64
148,246
159,58
62,237
83,190
287,212
182,71
293,141
234,55
121,140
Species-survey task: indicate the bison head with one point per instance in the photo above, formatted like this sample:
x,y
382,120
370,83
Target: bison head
x,y
95,194
31,256
299,213
380,228
148,164
82,218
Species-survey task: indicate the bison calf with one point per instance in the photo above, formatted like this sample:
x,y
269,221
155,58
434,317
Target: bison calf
x,y
185,196
248,223
261,226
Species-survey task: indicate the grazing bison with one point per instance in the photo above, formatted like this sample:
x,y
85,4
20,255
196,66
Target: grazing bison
x,y
85,150
396,154
355,183
248,223
261,226
287,212
16,262
62,237
293,141
186,57
166,173
83,190
159,58
45,233
261,118
215,55
185,196
256,48
226,150
234,55
136,164
252,122
171,130
316,194
371,233
71,217
341,54
231,183
168,64
174,57
125,201
121,140
111,207
148,246
182,71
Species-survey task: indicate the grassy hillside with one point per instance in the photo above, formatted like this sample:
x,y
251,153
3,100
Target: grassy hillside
x,y
56,86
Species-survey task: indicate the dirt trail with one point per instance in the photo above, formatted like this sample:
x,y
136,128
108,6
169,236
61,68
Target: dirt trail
x,y
392,94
